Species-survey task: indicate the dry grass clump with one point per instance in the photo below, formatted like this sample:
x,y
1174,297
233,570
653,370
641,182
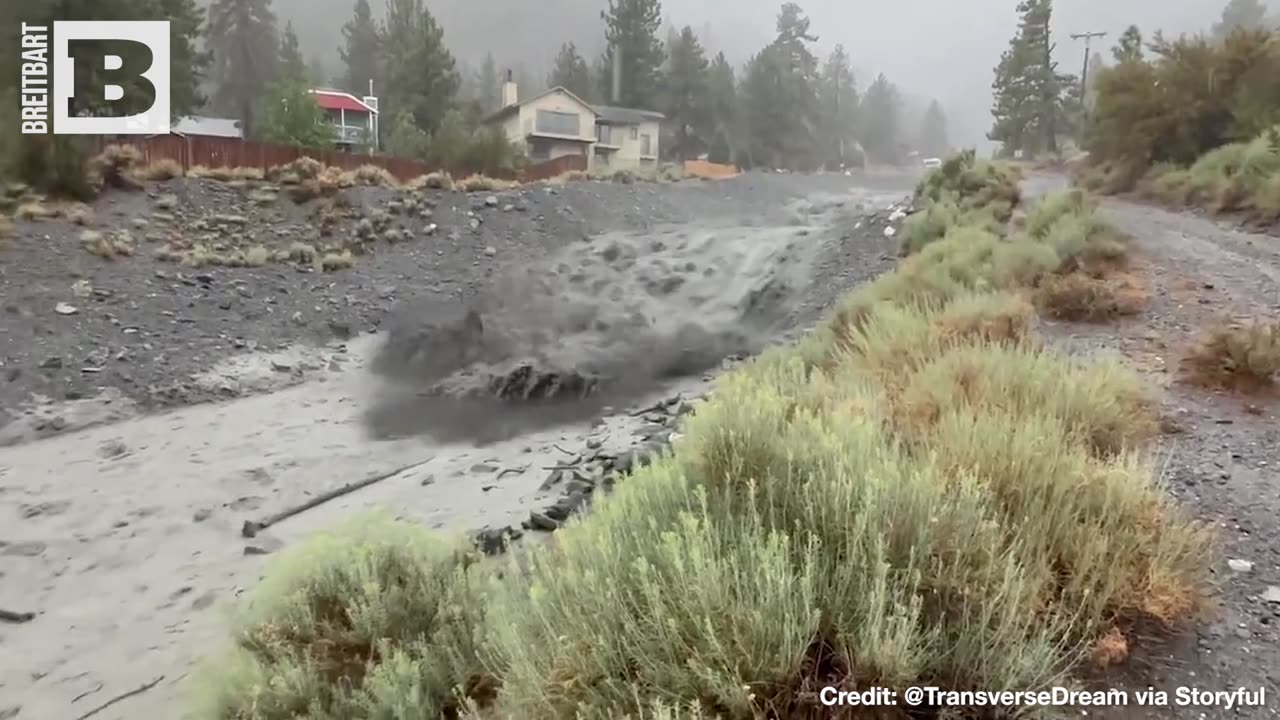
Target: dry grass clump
x,y
375,620
919,493
107,246
117,166
1236,358
226,174
432,181
159,170
6,228
297,171
483,183
1080,297
372,175
570,176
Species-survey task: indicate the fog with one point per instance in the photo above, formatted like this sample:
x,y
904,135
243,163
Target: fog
x,y
943,49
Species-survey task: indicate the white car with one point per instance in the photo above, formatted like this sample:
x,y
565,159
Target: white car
x,y
932,163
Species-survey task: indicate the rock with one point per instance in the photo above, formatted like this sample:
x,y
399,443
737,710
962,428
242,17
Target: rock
x,y
112,449
430,229
1240,566
491,201
508,207
51,363
475,223
490,251
495,541
201,515
65,309
1271,594
890,232
540,521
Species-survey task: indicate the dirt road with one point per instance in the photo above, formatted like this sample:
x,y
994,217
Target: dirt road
x,y
125,538
1224,464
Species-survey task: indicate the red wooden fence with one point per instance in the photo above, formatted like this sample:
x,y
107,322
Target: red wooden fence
x,y
194,150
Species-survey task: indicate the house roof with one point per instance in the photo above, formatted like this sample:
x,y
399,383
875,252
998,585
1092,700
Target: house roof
x,y
509,110
613,115
338,100
210,126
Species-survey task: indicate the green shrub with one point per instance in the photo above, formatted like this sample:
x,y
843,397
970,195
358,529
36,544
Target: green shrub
x,y
374,620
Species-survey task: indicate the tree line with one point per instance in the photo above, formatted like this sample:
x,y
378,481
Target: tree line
x,y
783,108
1158,100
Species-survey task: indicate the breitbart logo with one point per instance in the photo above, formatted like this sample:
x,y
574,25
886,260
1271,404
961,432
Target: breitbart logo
x,y
108,78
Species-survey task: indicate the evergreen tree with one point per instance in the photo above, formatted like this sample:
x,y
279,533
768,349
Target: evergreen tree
x,y
766,116
1032,99
722,103
838,96
1240,14
801,143
1129,47
571,73
631,32
878,121
687,109
488,85
242,39
187,63
289,113
291,64
932,140
407,140
418,71
359,51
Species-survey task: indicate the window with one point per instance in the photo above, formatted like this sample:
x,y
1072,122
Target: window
x,y
558,123
635,132
644,146
604,134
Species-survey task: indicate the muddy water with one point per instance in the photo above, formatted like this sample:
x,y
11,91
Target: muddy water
x,y
125,539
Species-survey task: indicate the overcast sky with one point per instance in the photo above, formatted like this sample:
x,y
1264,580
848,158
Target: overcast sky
x,y
942,49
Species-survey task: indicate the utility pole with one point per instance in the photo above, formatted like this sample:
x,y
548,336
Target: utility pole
x,y
1084,74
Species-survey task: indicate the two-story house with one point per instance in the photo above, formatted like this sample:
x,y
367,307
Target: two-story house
x,y
557,123
354,120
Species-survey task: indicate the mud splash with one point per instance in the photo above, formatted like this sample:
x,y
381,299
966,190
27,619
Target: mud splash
x,y
598,325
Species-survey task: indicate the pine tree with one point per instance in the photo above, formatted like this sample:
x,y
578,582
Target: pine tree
x,y
799,145
932,140
631,32
722,102
838,97
291,64
1240,14
407,140
571,73
686,90
187,63
289,114
1032,100
359,51
242,39
488,86
878,121
767,118
1129,47
419,74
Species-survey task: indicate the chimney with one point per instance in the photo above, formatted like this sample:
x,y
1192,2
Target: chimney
x,y
510,94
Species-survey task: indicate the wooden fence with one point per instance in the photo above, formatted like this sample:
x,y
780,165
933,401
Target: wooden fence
x,y
195,150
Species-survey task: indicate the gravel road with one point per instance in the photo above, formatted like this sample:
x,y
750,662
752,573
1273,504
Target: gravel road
x,y
126,537
1224,462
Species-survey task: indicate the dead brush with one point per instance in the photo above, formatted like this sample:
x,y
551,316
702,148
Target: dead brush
x,y
1077,296
159,170
1236,358
483,183
107,246
292,173
432,181
116,167
372,175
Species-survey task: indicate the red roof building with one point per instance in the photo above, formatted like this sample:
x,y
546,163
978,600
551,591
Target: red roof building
x,y
355,121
